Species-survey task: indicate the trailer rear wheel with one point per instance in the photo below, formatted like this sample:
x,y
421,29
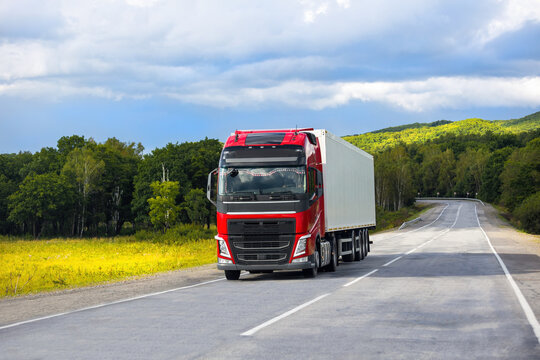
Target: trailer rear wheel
x,y
362,250
311,273
350,257
368,247
232,274
359,254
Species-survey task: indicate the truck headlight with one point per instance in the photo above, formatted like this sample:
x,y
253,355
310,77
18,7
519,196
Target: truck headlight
x,y
301,245
223,250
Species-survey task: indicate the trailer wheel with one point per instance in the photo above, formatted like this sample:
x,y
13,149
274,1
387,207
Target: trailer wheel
x,y
232,274
350,257
362,250
359,253
367,242
311,273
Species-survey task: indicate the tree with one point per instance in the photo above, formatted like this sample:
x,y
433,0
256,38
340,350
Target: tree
x,y
491,182
113,201
84,170
469,170
521,175
447,172
40,198
188,163
7,187
197,207
393,179
163,208
47,160
430,169
528,213
67,144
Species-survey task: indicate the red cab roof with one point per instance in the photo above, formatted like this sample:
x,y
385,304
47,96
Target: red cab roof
x,y
267,137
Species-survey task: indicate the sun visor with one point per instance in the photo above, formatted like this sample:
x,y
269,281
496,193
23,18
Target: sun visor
x,y
262,156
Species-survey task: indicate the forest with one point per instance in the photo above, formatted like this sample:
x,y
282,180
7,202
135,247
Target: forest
x,y
85,188
495,161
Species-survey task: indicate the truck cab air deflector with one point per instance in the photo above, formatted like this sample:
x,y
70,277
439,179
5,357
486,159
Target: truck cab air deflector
x,y
265,138
238,156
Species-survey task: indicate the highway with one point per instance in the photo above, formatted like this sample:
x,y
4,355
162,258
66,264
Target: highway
x,y
432,290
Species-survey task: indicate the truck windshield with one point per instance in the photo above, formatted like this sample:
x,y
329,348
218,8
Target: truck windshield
x,y
262,180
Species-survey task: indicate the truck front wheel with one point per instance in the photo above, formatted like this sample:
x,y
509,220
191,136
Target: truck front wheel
x,y
232,274
333,258
310,273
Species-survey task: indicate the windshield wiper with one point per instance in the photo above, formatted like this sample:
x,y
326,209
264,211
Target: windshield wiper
x,y
242,196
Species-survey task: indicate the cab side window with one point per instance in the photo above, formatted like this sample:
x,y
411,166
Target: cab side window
x,y
312,182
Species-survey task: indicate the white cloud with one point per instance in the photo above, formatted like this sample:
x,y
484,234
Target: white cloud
x,y
142,3
56,90
311,14
344,3
244,53
515,14
414,96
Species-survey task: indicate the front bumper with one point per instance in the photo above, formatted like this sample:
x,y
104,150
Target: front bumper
x,y
256,267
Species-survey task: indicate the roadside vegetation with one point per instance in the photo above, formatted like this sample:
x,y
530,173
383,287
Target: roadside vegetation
x,y
31,266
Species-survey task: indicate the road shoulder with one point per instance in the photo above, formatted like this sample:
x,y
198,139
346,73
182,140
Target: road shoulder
x,y
17,309
519,251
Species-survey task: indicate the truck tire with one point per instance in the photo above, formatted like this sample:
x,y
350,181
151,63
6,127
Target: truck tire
x,y
311,273
332,267
368,247
359,254
362,250
350,257
366,243
232,274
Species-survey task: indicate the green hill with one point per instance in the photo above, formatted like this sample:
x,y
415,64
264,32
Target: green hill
x,y
380,140
526,123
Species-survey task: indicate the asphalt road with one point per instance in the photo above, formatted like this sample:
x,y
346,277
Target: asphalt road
x,y
435,290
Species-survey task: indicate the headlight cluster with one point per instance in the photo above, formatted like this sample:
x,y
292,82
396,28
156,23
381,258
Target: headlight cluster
x,y
301,245
223,250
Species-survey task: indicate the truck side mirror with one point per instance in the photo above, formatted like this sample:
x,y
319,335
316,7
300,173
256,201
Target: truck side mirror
x,y
209,187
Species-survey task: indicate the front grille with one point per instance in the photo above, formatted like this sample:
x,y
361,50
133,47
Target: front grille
x,y
262,257
261,245
264,242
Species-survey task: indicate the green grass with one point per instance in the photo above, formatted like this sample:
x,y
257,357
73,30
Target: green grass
x,y
392,219
31,266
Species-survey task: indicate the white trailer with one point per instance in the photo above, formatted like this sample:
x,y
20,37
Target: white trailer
x,y
349,194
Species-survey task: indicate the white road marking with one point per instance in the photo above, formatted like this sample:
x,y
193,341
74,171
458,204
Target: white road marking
x,y
391,261
427,242
420,228
361,277
107,304
457,216
522,301
411,251
438,217
282,316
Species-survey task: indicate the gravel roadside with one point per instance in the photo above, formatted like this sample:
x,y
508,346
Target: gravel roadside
x,y
27,307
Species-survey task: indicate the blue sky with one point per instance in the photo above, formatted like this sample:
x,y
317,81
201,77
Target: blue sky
x,y
162,71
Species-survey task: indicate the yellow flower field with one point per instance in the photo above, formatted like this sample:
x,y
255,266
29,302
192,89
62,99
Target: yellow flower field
x,y
31,266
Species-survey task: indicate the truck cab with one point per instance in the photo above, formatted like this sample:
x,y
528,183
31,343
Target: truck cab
x,y
270,202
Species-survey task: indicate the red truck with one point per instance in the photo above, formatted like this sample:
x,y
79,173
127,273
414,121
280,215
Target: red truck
x,y
291,199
